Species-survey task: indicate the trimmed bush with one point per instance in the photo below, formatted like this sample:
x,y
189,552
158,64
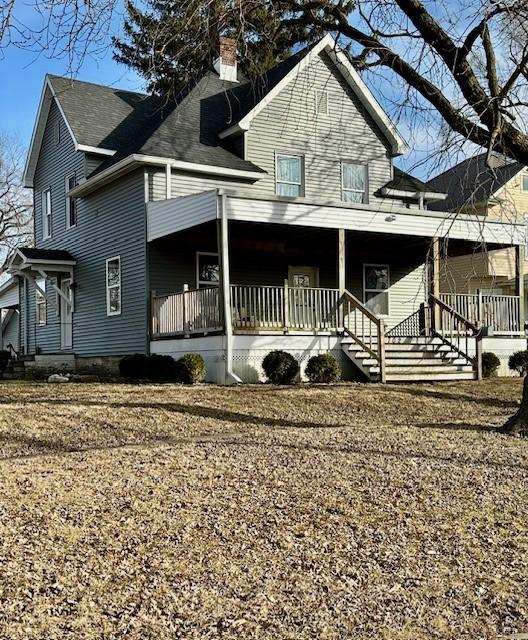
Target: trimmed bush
x,y
518,362
5,357
161,368
280,367
191,369
323,368
133,367
490,364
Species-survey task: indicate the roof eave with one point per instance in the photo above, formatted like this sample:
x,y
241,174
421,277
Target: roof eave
x,y
405,193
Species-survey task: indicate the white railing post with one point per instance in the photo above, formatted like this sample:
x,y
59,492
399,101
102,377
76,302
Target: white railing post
x,y
480,310
184,310
286,306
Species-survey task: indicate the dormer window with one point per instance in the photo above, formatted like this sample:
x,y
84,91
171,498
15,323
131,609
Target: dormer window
x,y
321,101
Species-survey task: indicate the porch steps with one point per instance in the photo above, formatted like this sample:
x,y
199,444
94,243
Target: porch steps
x,y
411,360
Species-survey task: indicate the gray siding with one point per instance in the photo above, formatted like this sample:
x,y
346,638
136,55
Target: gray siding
x,y
10,332
111,222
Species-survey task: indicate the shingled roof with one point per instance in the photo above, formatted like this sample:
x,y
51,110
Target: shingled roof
x,y
472,182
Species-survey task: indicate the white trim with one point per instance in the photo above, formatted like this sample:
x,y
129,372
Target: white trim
x,y
300,184
204,282
46,213
69,200
387,290
98,151
115,286
168,182
329,45
133,160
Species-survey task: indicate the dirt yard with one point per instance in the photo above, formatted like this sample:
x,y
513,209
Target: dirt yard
x,y
356,511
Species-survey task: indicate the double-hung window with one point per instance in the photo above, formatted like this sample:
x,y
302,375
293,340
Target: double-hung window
x,y
354,179
376,288
46,214
207,270
289,178
71,203
40,300
113,286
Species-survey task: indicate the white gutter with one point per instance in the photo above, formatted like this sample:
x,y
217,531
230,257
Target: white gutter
x,y
98,151
136,160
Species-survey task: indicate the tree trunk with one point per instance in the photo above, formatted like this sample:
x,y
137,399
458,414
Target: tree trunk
x,y
517,425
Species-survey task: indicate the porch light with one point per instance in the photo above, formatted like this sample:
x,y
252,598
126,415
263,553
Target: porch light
x,y
390,218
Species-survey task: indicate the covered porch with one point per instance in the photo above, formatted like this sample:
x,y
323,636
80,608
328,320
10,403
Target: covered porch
x,y
243,276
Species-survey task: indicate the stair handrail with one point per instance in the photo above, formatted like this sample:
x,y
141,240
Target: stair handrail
x,y
378,355
476,332
12,351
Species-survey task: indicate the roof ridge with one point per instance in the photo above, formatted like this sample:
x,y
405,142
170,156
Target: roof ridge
x,y
97,84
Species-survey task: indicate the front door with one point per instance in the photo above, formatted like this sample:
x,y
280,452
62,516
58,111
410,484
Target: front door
x,y
303,298
66,315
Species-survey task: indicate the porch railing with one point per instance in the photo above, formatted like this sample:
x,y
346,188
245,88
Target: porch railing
x,y
500,313
284,308
186,313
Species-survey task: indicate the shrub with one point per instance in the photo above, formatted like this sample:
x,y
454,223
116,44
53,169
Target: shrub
x,y
133,367
159,368
191,368
280,367
5,357
323,368
518,362
490,364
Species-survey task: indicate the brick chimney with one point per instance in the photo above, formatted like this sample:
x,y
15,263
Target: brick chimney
x,y
226,63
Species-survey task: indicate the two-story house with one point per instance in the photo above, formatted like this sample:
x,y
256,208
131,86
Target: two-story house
x,y
240,218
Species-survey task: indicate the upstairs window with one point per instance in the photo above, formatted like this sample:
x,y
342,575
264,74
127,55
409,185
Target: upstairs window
x,y
207,270
321,101
289,175
46,214
376,288
40,300
71,203
354,178
113,286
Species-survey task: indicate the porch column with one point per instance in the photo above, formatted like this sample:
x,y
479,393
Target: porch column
x,y
341,261
434,280
225,289
519,282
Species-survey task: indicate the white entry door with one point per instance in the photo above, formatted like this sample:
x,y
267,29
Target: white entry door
x,y
66,315
303,277
302,297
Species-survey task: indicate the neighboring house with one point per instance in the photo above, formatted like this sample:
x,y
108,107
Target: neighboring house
x,y
9,316
496,193
245,217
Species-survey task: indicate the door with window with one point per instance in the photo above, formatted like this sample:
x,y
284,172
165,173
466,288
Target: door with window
x,y
376,288
303,299
66,315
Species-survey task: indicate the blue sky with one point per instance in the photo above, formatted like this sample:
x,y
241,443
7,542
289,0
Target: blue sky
x,y
22,77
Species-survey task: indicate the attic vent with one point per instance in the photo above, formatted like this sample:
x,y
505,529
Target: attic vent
x,y
321,101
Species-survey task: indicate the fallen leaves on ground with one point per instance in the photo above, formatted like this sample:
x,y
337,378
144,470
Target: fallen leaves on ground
x,y
349,511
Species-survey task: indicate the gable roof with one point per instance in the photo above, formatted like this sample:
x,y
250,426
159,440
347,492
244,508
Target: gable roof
x,y
271,83
472,182
129,128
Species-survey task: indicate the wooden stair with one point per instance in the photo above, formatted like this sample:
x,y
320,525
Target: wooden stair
x,y
412,359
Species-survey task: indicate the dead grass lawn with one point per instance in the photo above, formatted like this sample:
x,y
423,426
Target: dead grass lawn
x,y
355,511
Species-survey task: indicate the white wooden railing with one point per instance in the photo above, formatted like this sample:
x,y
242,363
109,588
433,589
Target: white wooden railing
x,y
501,313
284,308
186,313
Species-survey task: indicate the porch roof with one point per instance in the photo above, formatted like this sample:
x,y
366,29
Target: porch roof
x,y
28,259
171,216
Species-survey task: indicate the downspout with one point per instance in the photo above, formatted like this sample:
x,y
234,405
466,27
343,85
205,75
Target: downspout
x,y
223,247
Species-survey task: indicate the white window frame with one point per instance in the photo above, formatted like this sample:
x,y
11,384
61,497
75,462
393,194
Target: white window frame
x,y
69,201
46,214
365,192
300,184
108,287
524,176
204,283
318,93
40,301
387,290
